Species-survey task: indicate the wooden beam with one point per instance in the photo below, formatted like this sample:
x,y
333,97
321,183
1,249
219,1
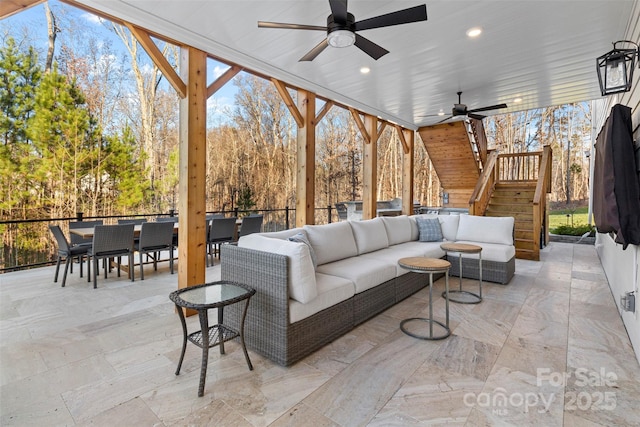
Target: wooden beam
x,y
381,128
10,7
370,170
158,58
363,130
306,160
325,109
223,80
284,94
405,146
408,160
192,169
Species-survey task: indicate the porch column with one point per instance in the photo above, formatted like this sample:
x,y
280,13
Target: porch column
x,y
192,165
306,160
407,137
370,168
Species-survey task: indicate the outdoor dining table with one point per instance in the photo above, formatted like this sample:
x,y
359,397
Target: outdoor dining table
x,y
87,232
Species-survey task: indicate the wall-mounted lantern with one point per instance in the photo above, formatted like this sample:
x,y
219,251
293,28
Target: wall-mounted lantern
x,y
615,68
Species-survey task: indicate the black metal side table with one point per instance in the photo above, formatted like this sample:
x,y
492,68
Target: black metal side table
x,y
202,298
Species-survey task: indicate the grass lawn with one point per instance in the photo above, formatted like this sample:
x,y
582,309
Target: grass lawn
x,y
559,217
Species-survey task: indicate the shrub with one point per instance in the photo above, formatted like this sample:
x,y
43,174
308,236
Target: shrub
x,y
576,230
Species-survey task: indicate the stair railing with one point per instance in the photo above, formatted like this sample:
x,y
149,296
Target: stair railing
x,y
484,187
543,186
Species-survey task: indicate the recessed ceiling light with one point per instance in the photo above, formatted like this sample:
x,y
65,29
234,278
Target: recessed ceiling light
x,y
365,70
474,32
441,113
517,100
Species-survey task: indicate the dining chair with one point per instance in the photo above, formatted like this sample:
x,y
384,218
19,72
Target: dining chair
x,y
79,240
221,230
110,241
250,224
132,221
68,252
155,237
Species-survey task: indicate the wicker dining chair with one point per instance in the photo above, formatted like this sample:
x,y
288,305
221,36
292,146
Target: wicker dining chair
x,y
79,240
111,241
67,252
221,230
155,237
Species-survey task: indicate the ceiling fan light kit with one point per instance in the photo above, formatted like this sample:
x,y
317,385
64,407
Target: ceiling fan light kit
x,y
342,26
341,38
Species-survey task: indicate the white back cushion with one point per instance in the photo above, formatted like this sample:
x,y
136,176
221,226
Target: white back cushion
x,y
449,225
331,242
398,229
486,229
370,235
302,276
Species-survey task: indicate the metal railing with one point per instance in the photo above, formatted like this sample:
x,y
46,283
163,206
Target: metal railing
x,y
28,243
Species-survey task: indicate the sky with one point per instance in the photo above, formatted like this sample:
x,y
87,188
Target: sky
x,y
34,21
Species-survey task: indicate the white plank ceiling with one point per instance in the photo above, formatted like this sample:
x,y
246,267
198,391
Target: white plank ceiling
x,y
543,52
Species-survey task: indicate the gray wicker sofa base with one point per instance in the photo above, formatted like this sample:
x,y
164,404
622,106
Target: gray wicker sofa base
x,y
268,330
492,271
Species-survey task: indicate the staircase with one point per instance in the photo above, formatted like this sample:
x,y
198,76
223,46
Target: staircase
x,y
516,200
492,184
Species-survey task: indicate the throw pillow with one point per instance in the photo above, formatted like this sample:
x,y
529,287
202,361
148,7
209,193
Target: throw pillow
x,y
430,230
301,237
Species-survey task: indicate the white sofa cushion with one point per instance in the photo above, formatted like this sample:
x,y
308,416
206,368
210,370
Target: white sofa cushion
x,y
449,226
282,234
331,242
370,235
364,272
331,291
302,278
398,228
301,237
486,229
406,250
490,251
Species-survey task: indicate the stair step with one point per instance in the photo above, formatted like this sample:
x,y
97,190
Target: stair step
x,y
528,254
523,234
525,244
507,199
511,207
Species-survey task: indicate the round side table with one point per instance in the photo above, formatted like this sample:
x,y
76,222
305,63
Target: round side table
x,y
203,298
459,295
429,266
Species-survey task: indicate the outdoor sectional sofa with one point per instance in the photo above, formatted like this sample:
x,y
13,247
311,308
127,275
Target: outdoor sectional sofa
x,y
333,277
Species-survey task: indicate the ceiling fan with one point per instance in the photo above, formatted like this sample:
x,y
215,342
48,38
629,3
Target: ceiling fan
x,y
342,26
460,109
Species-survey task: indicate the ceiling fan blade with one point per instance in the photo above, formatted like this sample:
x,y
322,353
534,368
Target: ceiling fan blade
x,y
444,120
263,24
476,116
491,107
339,10
310,56
370,48
406,16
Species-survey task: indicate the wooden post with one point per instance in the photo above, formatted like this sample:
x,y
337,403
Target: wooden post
x,y
370,169
306,160
407,170
193,128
